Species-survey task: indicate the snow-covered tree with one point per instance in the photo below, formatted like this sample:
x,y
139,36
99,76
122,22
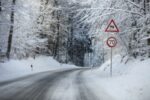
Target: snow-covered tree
x,y
130,17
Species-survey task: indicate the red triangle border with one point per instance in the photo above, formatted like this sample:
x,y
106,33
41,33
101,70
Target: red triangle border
x,y
112,21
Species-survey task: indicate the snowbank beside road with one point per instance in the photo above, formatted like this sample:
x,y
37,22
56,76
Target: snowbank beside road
x,y
18,68
130,81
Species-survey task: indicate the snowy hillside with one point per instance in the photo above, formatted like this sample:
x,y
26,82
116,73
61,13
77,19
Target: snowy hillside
x,y
129,81
17,68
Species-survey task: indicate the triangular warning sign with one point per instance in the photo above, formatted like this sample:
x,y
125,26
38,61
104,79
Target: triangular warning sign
x,y
112,27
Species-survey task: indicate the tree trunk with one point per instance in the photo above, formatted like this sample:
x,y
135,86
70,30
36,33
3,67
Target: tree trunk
x,y
56,47
148,5
58,36
0,6
144,7
11,29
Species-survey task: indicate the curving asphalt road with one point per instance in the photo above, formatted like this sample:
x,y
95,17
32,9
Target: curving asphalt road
x,y
57,85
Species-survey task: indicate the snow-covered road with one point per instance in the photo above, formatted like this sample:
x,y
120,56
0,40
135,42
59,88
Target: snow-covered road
x,y
68,84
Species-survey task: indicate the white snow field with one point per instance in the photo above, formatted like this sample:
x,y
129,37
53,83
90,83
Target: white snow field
x,y
130,81
18,68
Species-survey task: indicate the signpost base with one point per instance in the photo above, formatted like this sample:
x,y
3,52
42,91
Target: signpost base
x,y
111,64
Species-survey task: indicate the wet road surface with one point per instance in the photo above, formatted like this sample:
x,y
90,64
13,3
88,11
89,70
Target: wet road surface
x,y
65,84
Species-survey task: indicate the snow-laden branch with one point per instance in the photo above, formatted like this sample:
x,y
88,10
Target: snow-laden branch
x,y
138,6
115,9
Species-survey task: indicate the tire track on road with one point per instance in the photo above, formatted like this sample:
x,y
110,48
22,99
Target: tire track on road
x,y
84,93
37,90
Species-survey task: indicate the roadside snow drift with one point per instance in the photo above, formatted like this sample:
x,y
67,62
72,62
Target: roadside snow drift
x,y
130,81
17,68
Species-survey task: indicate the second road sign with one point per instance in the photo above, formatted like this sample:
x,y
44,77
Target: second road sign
x,y
111,42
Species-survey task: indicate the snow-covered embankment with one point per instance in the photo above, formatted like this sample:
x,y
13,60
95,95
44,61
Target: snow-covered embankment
x,y
18,68
130,81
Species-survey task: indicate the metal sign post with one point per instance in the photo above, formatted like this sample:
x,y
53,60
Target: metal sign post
x,y
111,42
111,64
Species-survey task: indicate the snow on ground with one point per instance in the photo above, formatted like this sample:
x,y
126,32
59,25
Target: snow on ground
x,y
18,68
130,81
